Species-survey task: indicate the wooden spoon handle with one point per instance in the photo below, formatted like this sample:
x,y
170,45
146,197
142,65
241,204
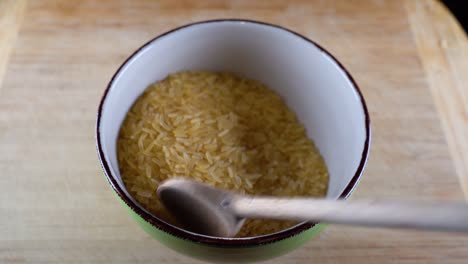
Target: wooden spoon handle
x,y
393,214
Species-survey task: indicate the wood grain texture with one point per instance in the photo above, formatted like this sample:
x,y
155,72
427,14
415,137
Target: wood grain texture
x,y
11,15
443,48
56,205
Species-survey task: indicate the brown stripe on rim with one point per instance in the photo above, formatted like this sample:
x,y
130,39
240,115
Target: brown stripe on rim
x,y
215,241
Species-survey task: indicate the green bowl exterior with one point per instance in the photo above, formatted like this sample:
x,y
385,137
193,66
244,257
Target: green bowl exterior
x,y
226,254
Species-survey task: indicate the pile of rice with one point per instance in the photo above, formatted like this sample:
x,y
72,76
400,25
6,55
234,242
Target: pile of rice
x,y
219,129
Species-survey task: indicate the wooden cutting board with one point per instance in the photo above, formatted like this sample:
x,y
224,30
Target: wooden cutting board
x,y
56,57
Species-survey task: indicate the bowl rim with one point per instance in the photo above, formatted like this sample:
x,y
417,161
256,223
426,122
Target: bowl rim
x,y
219,241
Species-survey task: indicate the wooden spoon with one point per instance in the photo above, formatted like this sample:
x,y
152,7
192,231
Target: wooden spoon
x,y
210,211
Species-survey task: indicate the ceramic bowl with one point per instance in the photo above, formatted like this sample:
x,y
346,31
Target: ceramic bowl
x,y
312,82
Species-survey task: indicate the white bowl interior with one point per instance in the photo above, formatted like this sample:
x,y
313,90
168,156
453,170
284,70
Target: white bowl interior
x,y
310,81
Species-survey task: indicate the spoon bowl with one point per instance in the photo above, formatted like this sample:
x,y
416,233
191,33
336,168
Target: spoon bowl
x,y
200,208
